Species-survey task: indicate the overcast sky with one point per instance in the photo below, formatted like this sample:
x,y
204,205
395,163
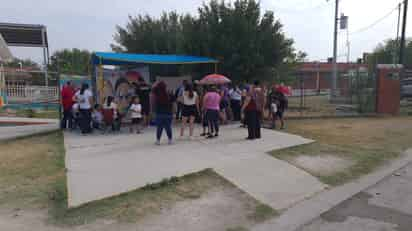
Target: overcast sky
x,y
90,24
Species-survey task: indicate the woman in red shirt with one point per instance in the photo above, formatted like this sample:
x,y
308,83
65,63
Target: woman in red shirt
x,y
67,94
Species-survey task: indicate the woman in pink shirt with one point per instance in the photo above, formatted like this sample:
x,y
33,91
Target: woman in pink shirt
x,y
211,102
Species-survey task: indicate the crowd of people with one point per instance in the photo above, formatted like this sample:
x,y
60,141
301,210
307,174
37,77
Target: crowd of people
x,y
190,103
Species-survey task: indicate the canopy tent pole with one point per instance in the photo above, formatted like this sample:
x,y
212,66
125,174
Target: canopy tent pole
x,y
216,68
100,82
46,62
3,92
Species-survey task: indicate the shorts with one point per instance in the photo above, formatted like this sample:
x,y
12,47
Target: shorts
x,y
223,105
145,108
136,120
279,114
212,115
189,110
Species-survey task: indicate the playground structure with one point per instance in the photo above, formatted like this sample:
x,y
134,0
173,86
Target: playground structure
x,y
24,35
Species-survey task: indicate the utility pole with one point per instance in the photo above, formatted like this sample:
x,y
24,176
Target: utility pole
x,y
335,52
402,48
397,47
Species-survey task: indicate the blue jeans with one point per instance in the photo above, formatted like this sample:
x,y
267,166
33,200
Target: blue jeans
x,y
164,121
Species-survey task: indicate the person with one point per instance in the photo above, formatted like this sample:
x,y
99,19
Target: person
x,y
211,104
97,117
282,107
235,95
84,98
67,94
111,105
205,123
75,116
245,90
179,96
163,108
260,100
143,92
190,109
224,103
253,108
136,114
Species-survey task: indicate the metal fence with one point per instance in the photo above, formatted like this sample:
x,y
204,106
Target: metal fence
x,y
355,95
29,92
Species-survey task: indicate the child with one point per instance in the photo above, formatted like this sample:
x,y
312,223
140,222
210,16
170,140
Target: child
x,y
97,117
76,116
136,114
274,108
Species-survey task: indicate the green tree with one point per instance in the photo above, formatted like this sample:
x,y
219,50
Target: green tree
x,y
388,52
248,44
71,61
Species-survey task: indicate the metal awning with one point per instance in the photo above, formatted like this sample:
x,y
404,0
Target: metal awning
x,y
25,35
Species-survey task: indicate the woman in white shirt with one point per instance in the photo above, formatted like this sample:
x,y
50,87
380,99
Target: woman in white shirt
x,y
84,98
190,109
235,95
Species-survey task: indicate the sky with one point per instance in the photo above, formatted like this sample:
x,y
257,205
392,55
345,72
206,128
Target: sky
x,y
90,24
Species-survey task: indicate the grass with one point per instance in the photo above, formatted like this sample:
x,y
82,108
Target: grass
x,y
313,106
31,113
30,168
238,228
263,212
406,107
32,176
367,142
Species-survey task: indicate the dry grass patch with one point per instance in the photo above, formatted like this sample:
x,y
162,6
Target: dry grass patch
x,y
367,142
30,168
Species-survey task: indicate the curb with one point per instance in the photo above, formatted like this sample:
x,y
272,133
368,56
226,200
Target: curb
x,y
306,211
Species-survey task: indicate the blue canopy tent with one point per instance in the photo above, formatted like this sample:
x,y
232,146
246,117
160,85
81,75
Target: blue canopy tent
x,y
118,59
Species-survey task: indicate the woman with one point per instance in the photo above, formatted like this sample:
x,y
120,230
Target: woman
x,y
190,109
163,108
224,104
235,95
211,104
250,110
84,98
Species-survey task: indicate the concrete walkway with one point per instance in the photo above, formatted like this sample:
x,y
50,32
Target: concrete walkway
x,y
101,166
364,204
31,126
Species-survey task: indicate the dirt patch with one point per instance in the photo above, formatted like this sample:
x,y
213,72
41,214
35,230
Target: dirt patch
x,y
217,210
322,165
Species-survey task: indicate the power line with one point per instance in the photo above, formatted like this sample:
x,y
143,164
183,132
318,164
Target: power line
x,y
376,22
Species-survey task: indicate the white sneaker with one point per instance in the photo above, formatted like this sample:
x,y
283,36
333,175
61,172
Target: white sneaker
x,y
157,142
170,142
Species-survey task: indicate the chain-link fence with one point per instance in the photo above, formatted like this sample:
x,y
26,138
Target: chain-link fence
x,y
29,93
355,95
